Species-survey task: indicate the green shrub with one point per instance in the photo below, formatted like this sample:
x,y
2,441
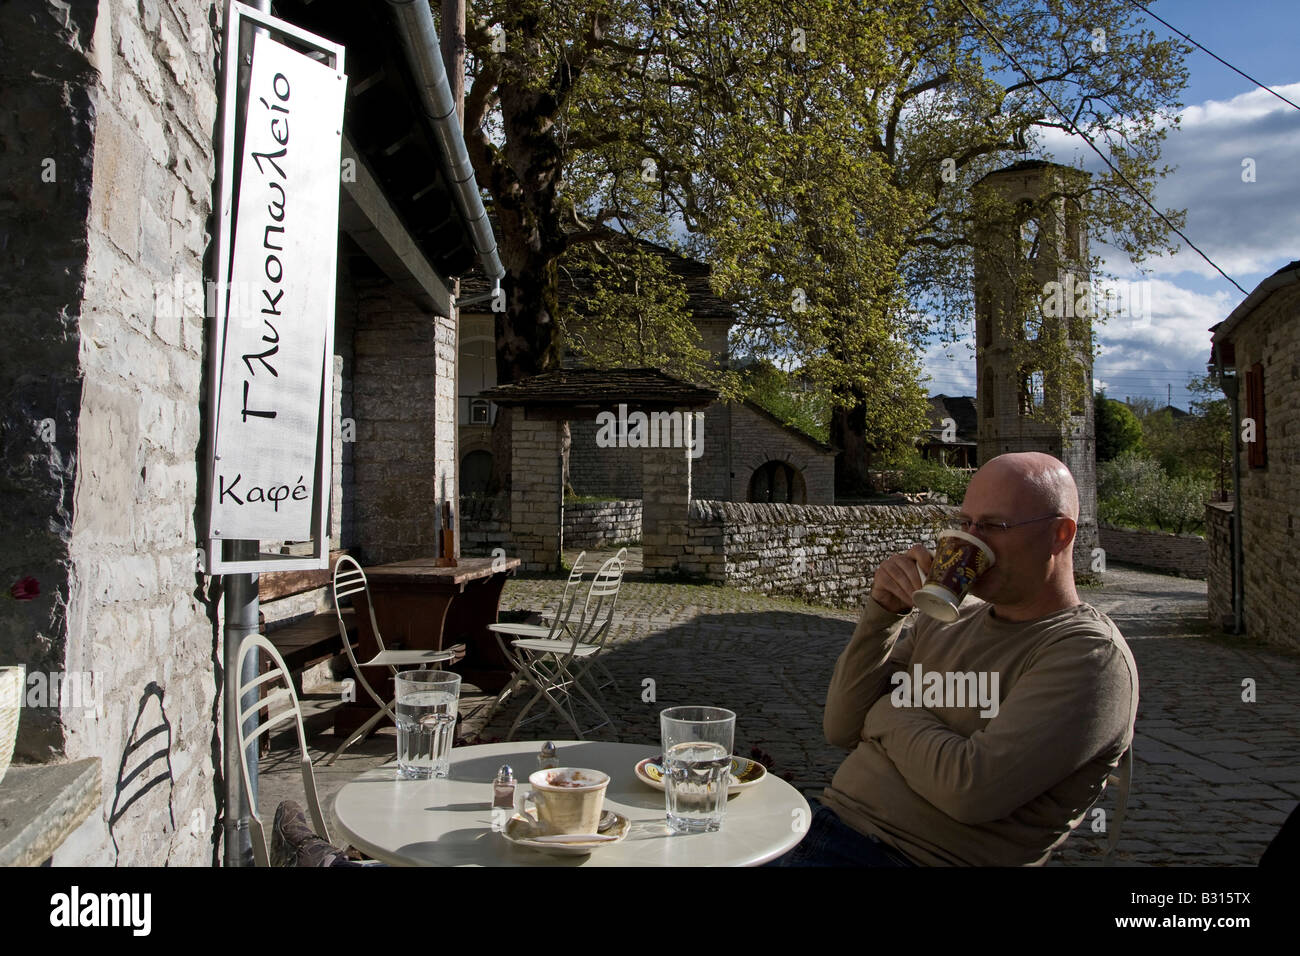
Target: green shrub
x,y
1133,491
919,474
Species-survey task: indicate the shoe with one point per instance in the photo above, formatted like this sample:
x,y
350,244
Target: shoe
x,y
295,843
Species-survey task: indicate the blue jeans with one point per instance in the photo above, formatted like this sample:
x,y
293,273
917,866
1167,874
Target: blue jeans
x,y
832,842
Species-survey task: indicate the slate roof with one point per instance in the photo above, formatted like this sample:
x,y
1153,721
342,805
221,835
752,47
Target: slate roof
x,y
605,388
961,409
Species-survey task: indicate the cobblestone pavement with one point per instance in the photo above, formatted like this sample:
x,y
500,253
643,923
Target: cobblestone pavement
x,y
1214,777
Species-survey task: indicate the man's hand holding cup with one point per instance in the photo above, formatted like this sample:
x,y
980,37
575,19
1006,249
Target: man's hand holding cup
x,y
898,577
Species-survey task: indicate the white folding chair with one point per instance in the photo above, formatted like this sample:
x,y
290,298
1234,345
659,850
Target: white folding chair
x,y
277,697
349,580
556,666
559,619
1121,778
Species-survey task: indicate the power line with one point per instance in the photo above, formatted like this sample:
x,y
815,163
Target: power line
x,y
1215,55
1091,145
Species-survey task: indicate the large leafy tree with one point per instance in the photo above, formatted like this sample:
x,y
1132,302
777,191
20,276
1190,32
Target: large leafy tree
x,y
819,155
1117,428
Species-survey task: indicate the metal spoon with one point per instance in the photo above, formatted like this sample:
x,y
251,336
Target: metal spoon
x,y
607,820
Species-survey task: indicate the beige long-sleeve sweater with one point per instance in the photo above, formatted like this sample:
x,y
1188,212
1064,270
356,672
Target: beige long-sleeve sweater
x,y
947,786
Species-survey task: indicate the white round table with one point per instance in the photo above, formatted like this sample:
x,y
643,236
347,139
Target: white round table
x,y
448,821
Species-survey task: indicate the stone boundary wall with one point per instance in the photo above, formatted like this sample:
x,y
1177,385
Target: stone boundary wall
x,y
1182,554
587,525
483,526
1218,560
601,524
827,554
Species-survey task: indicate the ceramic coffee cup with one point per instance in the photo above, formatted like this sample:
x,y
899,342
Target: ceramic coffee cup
x,y
959,559
569,800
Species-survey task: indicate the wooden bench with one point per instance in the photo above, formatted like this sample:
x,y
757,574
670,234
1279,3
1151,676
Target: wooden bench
x,y
308,641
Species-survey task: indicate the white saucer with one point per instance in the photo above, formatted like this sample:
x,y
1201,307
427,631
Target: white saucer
x,y
745,773
518,831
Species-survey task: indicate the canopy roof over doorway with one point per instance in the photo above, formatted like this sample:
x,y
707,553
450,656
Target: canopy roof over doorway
x,y
583,392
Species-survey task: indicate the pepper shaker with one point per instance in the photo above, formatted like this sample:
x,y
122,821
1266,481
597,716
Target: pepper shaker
x,y
548,759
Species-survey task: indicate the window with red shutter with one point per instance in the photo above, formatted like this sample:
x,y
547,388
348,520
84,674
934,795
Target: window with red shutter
x,y
1257,450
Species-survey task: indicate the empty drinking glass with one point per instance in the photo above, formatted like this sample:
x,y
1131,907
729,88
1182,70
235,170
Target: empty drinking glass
x,y
697,765
426,722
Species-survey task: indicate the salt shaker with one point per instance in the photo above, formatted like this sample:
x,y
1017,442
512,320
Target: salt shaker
x,y
503,796
548,759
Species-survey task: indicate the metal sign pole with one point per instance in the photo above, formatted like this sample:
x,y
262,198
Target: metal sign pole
x,y
241,609
240,606
232,552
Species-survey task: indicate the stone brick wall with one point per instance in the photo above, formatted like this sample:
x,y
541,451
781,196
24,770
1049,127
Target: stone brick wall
x,y
665,505
534,492
822,553
601,524
106,141
737,440
587,524
484,525
1218,560
47,139
1270,496
404,404
755,440
601,472
1182,554
711,472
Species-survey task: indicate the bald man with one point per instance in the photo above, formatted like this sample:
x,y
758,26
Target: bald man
x,y
999,758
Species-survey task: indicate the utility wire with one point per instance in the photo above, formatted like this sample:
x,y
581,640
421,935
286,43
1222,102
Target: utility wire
x,y
1215,55
1078,132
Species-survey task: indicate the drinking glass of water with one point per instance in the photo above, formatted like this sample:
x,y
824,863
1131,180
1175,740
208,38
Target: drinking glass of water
x,y
697,764
426,722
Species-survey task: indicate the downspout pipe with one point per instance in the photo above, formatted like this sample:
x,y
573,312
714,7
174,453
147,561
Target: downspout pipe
x,y
423,54
1230,385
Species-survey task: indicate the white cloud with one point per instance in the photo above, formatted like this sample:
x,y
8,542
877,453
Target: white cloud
x,y
1248,228
1172,337
951,367
1160,336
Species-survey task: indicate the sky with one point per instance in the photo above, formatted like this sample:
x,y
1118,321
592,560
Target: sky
x,y
1250,229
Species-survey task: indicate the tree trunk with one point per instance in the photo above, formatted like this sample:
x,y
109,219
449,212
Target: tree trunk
x,y
453,51
848,434
525,331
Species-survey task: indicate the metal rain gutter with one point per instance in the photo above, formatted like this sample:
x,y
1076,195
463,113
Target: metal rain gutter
x,y
1256,298
423,54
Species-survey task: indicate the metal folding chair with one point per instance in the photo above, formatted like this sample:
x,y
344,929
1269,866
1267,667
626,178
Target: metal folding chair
x,y
559,626
1121,778
556,666
277,697
349,579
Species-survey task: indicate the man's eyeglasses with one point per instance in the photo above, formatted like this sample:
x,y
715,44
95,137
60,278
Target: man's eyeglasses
x,y
983,527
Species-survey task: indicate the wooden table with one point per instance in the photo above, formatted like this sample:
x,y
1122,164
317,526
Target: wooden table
x,y
420,606
448,822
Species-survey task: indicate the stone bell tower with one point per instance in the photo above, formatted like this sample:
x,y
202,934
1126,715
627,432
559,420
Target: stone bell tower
x,y
1022,355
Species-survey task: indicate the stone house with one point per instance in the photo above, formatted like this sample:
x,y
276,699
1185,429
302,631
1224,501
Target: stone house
x,y
953,432
108,154
749,454
1256,350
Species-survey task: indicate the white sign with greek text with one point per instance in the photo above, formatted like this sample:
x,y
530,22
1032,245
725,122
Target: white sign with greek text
x,y
273,368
